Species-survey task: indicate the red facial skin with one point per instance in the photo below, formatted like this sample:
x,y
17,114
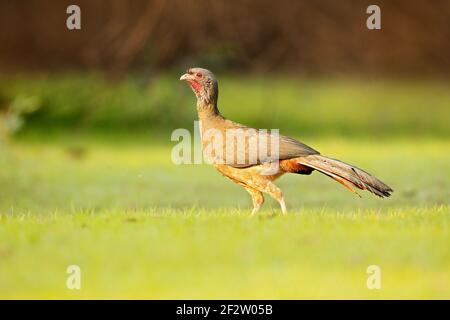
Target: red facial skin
x,y
195,86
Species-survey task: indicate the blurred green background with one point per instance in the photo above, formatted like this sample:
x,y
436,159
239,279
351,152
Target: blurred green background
x,y
86,176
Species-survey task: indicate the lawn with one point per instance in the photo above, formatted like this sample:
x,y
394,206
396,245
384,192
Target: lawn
x,y
141,227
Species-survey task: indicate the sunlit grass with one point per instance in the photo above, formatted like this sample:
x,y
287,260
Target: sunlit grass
x,y
170,253
141,227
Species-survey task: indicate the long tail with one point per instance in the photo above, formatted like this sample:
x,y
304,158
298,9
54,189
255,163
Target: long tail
x,y
346,174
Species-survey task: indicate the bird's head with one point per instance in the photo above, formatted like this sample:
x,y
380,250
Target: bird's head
x,y
203,83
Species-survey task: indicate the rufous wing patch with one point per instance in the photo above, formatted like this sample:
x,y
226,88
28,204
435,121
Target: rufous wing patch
x,y
292,166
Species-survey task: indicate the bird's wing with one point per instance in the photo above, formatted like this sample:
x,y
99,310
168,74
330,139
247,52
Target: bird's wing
x,y
259,146
290,148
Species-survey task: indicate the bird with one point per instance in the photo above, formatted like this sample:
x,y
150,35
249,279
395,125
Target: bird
x,y
254,170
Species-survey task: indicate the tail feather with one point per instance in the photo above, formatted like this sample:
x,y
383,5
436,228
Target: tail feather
x,y
348,175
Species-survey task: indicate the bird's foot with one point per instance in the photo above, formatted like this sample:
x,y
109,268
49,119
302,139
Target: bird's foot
x,y
254,211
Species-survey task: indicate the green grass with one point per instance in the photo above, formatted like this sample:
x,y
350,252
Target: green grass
x,y
141,227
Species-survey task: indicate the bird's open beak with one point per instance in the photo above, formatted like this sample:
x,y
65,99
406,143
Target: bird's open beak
x,y
185,76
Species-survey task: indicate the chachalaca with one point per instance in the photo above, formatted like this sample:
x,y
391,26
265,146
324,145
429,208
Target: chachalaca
x,y
251,170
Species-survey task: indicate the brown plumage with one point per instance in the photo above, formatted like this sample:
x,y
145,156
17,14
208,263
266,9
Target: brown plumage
x,y
241,160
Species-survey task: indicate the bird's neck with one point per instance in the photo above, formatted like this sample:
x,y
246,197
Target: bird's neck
x,y
207,110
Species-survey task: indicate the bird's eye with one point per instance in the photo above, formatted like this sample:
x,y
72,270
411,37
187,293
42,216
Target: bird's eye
x,y
199,75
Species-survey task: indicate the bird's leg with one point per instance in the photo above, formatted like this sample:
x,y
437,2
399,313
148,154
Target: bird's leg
x,y
277,194
282,205
257,198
